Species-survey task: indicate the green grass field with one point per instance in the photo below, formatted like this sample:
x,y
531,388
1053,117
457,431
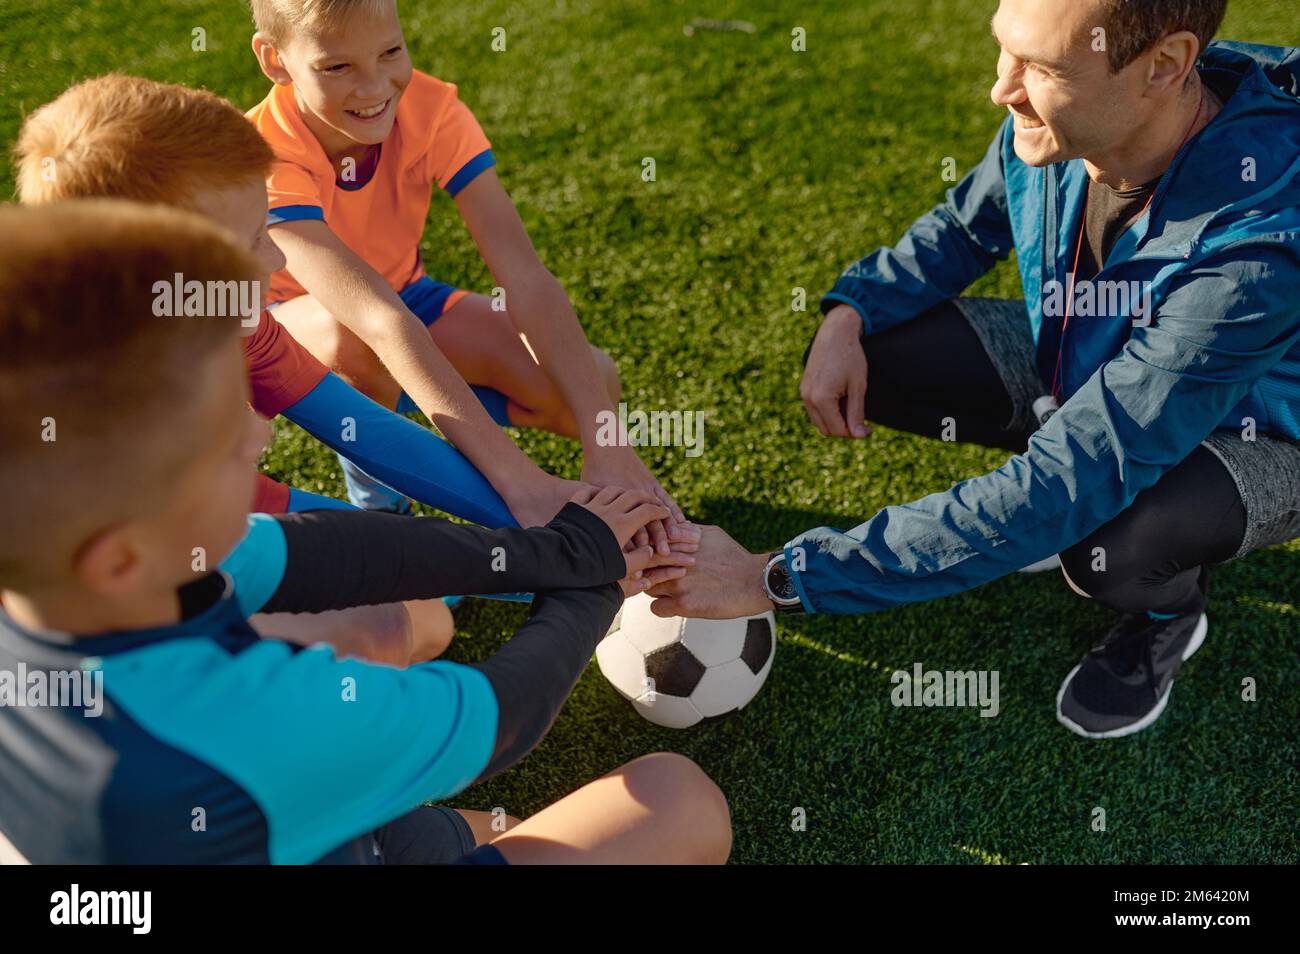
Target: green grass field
x,y
775,169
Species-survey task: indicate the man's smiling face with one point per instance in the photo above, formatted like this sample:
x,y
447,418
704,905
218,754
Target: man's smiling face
x,y
1063,99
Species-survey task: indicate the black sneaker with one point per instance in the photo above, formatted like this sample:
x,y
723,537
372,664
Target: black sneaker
x,y
1123,685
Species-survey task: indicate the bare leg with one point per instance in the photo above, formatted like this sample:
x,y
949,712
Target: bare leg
x,y
432,628
483,345
9,855
395,634
336,347
658,809
380,634
482,824
486,348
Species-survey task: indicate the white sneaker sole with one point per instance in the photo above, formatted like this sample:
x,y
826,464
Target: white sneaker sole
x,y
1198,637
1052,562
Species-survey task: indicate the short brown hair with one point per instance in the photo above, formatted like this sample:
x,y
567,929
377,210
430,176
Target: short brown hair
x,y
85,360
279,20
1134,26
136,139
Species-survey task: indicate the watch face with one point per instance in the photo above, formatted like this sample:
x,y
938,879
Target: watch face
x,y
779,582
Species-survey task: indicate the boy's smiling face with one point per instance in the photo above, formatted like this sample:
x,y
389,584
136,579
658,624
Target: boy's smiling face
x,y
347,79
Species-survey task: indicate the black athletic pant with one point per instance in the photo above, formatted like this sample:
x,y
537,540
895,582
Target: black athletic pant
x,y
934,367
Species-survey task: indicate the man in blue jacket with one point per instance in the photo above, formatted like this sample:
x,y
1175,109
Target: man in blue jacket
x,y
1149,183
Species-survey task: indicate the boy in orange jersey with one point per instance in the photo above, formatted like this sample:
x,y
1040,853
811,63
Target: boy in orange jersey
x,y
360,140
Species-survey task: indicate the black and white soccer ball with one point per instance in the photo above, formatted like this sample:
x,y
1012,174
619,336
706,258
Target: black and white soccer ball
x,y
678,671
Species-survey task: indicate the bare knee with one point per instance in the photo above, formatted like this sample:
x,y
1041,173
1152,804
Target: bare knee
x,y
545,410
355,362
554,415
388,636
432,628
380,634
691,804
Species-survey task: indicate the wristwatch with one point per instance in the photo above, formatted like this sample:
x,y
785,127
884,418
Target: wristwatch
x,y
779,586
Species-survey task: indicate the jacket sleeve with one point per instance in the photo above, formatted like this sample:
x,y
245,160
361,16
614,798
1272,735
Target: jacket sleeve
x,y
1221,326
939,256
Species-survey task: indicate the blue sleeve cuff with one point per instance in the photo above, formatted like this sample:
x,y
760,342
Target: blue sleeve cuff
x,y
470,171
833,298
257,563
295,213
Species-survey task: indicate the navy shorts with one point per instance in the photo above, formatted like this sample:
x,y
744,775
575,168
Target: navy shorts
x,y
432,836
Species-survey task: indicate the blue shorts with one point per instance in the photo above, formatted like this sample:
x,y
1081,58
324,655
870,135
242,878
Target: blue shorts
x,y
430,300
427,299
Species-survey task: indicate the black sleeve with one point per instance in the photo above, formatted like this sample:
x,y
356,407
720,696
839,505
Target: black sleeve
x,y
341,558
534,673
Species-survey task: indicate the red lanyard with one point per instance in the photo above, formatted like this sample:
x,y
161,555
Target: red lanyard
x,y
1078,247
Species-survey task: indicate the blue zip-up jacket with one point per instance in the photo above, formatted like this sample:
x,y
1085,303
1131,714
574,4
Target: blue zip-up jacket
x,y
1220,246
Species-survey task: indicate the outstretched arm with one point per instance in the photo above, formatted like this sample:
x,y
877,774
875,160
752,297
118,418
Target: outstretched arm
x,y
358,296
540,309
1220,327
334,559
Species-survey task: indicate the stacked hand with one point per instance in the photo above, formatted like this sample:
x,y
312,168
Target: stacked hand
x,y
540,496
628,513
659,543
620,466
724,582
706,575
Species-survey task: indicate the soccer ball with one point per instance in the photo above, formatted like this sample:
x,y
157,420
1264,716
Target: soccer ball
x,y
677,671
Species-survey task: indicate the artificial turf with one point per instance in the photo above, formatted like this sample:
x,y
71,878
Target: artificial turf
x,y
773,169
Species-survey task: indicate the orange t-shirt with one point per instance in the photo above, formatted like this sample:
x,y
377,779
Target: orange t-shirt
x,y
435,138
